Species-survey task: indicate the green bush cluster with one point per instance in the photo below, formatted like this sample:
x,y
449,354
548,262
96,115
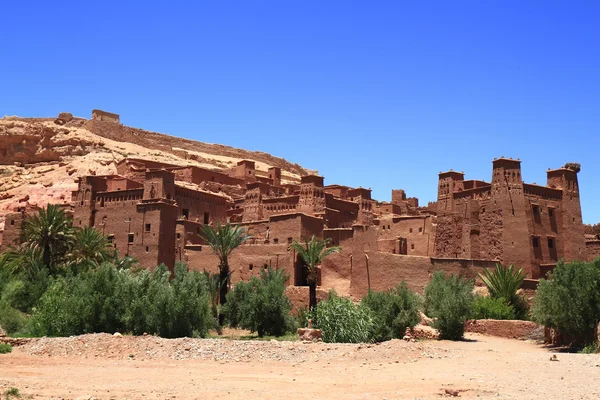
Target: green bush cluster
x,y
487,307
449,301
342,321
393,311
5,348
570,300
260,305
108,299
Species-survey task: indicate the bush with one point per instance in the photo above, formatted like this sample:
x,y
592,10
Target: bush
x,y
114,300
449,302
393,311
11,319
570,300
504,282
492,308
5,348
344,322
260,305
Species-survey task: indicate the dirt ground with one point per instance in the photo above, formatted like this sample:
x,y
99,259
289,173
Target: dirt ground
x,y
103,366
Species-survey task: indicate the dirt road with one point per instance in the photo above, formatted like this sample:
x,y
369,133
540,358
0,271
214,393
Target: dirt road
x,y
107,367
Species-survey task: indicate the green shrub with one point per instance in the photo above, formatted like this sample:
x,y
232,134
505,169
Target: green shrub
x,y
449,302
393,311
344,322
591,348
570,300
5,348
108,299
260,305
504,282
492,308
11,319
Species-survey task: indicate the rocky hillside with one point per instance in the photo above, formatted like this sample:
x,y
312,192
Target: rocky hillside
x,y
41,158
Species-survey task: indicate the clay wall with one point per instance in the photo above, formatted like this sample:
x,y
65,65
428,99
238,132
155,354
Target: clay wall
x,y
12,230
245,170
592,249
416,230
198,206
346,215
105,116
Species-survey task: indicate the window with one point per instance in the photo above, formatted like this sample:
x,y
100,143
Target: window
x,y
412,246
206,218
536,210
275,241
420,229
12,221
388,227
130,238
250,267
186,213
410,230
146,249
290,240
148,226
178,235
111,238
551,212
550,243
536,242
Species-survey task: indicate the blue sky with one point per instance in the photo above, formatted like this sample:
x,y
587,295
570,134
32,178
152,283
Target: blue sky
x,y
375,94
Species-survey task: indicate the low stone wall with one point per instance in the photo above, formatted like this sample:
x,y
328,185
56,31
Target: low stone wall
x,y
510,329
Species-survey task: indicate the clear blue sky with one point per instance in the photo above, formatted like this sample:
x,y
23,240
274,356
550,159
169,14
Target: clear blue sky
x,y
374,94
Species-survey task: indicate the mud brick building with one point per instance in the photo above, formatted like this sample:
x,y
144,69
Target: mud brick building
x,y
154,212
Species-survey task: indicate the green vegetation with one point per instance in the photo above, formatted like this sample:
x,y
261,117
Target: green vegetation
x,y
503,283
342,321
111,300
12,392
393,311
449,302
260,305
487,307
313,252
223,240
5,348
570,300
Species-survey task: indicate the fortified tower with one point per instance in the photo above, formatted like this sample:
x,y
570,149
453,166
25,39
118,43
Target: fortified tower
x,y
568,217
509,202
448,183
312,195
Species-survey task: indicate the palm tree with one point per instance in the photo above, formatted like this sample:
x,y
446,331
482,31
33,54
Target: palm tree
x,y
90,249
313,253
24,258
51,232
223,240
503,282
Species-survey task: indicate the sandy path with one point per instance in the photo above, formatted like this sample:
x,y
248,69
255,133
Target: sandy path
x,y
486,368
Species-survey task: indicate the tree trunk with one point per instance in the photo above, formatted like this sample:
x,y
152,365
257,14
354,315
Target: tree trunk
x,y
312,288
224,286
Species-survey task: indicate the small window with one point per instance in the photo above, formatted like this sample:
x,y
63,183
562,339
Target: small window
x,y
536,210
148,227
536,242
178,235
290,240
388,227
550,243
250,267
275,241
420,229
130,238
410,230
110,238
147,249
551,212
249,172
412,246
206,218
12,221
384,227
186,213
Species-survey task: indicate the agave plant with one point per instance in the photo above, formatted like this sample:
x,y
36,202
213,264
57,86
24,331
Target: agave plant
x,y
503,282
